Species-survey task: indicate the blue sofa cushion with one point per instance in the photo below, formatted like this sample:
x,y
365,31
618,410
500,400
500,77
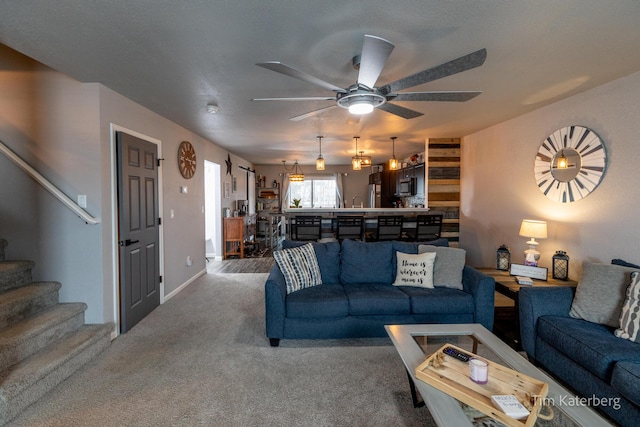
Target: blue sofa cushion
x,y
626,380
319,301
328,255
373,298
438,300
366,262
591,345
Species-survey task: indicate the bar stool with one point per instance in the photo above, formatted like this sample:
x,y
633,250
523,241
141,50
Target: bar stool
x,y
389,227
307,227
428,227
349,227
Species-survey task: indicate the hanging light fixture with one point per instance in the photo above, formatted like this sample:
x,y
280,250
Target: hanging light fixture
x,y
364,160
393,162
356,163
563,162
295,175
320,159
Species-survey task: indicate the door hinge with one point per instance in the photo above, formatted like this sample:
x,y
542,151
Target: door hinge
x,y
159,221
160,279
159,160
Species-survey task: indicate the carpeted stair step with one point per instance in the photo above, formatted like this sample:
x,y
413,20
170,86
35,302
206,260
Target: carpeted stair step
x,y
21,303
14,274
20,341
27,381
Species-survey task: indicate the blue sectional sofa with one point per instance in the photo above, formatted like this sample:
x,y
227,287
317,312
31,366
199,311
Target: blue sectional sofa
x,y
584,355
357,296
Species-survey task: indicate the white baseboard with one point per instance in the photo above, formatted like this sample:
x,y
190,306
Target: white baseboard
x,y
184,285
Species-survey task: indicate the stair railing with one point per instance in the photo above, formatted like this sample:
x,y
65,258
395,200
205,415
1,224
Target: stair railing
x,y
55,191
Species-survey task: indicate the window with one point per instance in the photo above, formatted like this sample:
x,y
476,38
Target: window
x,y
314,192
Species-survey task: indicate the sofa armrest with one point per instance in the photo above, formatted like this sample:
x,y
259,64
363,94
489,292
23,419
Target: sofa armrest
x,y
482,287
275,292
534,302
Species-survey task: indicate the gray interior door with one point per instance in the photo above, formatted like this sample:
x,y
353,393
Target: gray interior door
x,y
138,229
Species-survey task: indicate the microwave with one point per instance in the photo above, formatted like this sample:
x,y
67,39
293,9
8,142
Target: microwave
x,y
407,187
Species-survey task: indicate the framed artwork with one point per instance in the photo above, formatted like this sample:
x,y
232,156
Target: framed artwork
x,y
235,184
227,190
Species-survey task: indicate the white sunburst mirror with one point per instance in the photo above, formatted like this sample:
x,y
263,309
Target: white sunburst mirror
x,y
570,164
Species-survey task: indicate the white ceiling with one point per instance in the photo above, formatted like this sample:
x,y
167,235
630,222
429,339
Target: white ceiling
x,y
175,56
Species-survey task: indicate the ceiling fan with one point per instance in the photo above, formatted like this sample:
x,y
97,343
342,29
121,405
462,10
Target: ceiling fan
x,y
363,96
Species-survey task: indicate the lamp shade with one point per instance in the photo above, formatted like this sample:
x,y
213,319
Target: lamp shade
x,y
533,228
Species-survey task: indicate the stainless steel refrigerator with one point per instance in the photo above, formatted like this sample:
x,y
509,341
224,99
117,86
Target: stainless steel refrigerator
x,y
375,196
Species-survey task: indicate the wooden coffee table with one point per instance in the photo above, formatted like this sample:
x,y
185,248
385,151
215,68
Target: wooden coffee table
x,y
446,410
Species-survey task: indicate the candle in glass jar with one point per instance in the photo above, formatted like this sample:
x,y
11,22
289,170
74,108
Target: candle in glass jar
x,y
478,371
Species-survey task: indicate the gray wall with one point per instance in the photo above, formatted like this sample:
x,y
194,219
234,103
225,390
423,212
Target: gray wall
x,y
63,128
499,189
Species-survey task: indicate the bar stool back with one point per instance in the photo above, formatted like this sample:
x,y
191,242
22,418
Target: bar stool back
x,y
349,227
389,227
307,227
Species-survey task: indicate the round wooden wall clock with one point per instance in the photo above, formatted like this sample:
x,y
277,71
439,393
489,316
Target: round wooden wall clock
x,y
187,159
570,164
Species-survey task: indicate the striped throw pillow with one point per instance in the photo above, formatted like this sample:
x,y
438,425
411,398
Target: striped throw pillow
x,y
630,317
299,267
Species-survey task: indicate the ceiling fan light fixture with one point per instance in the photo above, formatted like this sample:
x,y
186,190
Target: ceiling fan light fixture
x,y
360,107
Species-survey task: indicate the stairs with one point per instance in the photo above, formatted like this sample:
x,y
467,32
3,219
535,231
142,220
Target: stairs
x,y
42,341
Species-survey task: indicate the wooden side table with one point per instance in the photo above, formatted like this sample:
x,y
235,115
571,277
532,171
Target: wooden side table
x,y
508,326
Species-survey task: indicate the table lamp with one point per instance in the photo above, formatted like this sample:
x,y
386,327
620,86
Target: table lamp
x,y
533,229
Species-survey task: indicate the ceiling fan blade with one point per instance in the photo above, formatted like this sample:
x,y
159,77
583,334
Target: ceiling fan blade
x,y
302,98
311,113
459,96
456,66
375,52
405,113
281,68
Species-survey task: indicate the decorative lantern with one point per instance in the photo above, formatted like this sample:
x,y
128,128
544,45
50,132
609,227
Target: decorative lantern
x,y
503,258
561,265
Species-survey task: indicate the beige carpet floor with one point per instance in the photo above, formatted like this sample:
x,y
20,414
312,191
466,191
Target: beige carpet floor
x,y
202,359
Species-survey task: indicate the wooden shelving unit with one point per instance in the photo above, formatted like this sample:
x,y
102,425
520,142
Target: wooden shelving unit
x,y
443,184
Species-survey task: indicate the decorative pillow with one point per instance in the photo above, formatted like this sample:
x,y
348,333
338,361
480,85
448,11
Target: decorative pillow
x,y
600,293
415,269
299,267
328,256
448,266
630,318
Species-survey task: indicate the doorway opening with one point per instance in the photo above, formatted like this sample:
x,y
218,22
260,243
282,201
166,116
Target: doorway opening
x,y
213,210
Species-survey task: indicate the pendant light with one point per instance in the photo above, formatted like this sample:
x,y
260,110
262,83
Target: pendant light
x,y
364,160
356,163
320,159
295,175
393,162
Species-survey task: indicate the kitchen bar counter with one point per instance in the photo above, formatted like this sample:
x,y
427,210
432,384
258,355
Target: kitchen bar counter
x,y
367,212
329,216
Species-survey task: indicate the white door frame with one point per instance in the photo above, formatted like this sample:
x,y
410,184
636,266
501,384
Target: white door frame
x,y
113,128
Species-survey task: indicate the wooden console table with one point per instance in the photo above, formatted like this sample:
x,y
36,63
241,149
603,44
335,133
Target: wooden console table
x,y
237,231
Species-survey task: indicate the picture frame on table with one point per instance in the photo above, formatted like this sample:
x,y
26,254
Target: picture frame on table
x,y
539,273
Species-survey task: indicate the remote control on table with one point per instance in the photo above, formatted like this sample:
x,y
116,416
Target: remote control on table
x,y
457,354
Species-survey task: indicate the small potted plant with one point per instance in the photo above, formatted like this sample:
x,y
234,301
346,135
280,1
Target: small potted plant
x,y
296,203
